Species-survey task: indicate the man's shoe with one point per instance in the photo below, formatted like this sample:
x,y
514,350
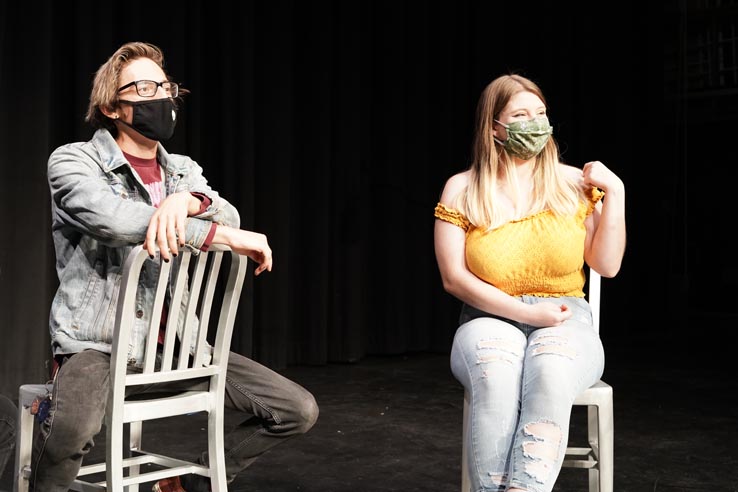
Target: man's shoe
x,y
171,484
185,483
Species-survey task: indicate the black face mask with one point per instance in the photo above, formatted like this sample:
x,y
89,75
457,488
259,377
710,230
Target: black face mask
x,y
153,119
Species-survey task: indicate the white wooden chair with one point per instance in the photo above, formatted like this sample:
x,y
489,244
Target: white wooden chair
x,y
598,455
195,283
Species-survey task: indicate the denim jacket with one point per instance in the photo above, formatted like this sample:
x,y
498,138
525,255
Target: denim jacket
x,y
100,209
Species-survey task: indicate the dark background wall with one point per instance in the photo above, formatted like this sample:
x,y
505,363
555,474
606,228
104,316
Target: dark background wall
x,y
332,127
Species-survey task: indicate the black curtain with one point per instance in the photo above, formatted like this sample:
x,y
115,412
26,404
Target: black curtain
x,y
332,127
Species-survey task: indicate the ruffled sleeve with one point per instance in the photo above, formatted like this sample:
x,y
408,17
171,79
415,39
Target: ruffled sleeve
x,y
451,216
595,195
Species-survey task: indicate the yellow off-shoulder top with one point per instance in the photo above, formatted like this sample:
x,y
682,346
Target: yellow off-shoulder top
x,y
539,255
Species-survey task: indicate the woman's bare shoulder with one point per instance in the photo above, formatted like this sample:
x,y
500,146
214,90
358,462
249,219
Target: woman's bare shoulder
x,y
454,185
570,171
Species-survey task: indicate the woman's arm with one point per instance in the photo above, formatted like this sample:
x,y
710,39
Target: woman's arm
x,y
606,235
450,245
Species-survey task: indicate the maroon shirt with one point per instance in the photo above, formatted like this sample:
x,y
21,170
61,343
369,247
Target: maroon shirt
x,y
150,173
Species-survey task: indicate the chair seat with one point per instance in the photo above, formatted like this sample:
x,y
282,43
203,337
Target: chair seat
x,y
599,393
28,392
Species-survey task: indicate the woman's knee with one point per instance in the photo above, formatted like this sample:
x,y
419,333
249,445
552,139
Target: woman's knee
x,y
481,337
485,350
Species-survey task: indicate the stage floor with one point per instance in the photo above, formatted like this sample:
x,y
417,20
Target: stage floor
x,y
394,424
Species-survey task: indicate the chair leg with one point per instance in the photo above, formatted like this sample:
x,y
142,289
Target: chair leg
x,y
23,449
465,485
606,442
114,451
216,449
593,437
24,435
135,430
600,432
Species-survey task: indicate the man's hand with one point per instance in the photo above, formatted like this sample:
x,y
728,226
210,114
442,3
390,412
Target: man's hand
x,y
167,226
252,244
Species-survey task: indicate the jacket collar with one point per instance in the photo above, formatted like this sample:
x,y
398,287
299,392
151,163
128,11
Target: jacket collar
x,y
111,156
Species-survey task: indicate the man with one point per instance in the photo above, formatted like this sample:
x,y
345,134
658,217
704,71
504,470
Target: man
x,y
119,189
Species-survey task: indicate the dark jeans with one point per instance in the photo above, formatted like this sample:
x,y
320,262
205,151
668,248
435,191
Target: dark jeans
x,y
8,416
275,409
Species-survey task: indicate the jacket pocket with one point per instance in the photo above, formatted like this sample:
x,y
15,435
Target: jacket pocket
x,y
108,310
84,314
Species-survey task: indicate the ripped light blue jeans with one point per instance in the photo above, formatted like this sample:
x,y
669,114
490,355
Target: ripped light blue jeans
x,y
522,383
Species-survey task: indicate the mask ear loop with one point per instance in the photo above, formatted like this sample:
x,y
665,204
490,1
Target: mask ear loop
x,y
503,126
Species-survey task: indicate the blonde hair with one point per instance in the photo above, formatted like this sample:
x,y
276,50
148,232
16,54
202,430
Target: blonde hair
x,y
491,165
104,92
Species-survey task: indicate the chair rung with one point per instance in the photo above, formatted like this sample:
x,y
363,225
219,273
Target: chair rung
x,y
151,476
127,462
191,402
146,458
170,467
165,376
158,475
587,458
80,486
90,469
578,451
579,464
166,461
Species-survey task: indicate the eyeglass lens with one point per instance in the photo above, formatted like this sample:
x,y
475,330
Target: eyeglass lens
x,y
147,88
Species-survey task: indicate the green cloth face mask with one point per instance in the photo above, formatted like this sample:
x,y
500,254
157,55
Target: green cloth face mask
x,y
526,139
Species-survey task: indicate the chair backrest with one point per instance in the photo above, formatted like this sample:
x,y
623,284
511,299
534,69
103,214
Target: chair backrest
x,y
191,281
593,296
190,289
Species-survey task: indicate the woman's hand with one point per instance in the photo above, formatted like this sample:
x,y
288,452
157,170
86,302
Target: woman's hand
x,y
595,173
546,314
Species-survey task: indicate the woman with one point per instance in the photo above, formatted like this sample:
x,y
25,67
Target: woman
x,y
511,238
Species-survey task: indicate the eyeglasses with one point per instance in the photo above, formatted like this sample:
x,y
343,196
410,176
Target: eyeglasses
x,y
148,88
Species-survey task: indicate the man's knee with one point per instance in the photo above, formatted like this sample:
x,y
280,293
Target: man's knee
x,y
308,413
68,434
